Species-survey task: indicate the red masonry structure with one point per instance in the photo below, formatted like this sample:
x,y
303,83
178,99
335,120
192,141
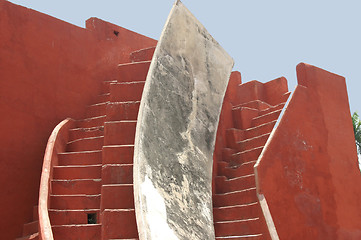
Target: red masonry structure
x,y
285,164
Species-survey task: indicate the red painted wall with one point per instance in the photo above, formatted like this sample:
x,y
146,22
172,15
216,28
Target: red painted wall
x,y
308,170
49,70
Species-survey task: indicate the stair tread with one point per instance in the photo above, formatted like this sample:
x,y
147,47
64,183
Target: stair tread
x,y
239,220
254,138
238,191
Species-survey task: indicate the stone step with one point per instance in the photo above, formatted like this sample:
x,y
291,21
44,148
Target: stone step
x,y
106,87
130,72
96,110
118,154
236,171
243,237
30,228
245,156
76,232
145,54
238,227
224,185
68,217
34,236
78,133
119,223
252,143
117,174
76,186
241,197
91,122
74,202
234,135
242,117
117,196
119,132
126,91
266,118
272,109
80,158
86,144
117,111
230,213
105,97
77,172
255,104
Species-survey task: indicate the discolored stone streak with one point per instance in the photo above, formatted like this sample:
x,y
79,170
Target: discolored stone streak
x,y
176,129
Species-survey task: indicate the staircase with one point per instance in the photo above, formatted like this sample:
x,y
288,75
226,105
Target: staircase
x,y
92,185
237,213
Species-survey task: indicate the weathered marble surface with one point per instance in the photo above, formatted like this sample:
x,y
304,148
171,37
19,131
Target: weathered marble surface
x,y
176,131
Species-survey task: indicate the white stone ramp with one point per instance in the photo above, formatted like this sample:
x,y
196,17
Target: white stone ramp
x,y
176,131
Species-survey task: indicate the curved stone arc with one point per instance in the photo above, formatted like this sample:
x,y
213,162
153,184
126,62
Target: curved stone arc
x,y
176,130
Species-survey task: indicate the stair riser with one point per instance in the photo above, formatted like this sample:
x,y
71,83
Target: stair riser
x,y
90,187
119,133
223,186
252,143
30,228
237,212
244,157
117,197
111,222
237,198
71,217
75,202
271,109
125,92
88,232
261,130
118,154
115,174
265,118
122,111
243,170
96,110
88,144
243,117
103,98
133,72
82,158
142,55
89,123
70,172
237,228
85,133
106,87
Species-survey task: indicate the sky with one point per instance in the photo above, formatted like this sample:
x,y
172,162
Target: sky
x,y
267,39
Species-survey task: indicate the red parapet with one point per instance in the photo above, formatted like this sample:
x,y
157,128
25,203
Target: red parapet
x,y
56,144
308,170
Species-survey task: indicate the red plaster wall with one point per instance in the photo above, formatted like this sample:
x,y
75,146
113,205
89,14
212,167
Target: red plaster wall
x,y
308,170
49,70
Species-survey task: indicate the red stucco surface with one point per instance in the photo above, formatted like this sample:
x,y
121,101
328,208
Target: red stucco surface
x,y
308,170
49,70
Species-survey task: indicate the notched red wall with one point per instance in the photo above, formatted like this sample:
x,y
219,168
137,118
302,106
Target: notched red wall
x,y
308,170
49,70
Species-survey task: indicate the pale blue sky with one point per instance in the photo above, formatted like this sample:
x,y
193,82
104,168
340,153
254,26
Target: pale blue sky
x,y
267,39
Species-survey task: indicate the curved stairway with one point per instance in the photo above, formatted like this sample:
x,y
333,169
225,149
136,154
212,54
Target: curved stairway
x,y
237,213
92,183
92,187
